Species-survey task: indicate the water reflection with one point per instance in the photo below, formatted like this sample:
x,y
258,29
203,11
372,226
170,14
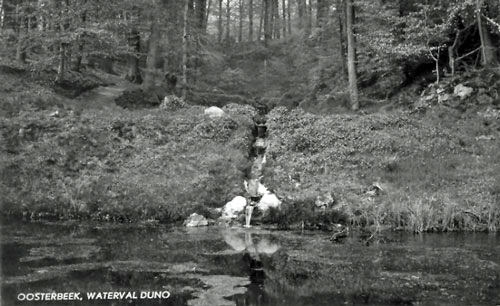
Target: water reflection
x,y
254,248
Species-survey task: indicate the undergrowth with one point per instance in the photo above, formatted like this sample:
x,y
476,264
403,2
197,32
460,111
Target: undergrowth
x,y
434,172
149,165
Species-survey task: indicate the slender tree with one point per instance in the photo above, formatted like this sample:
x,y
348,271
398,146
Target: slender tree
x,y
240,25
276,21
340,10
250,20
219,23
185,50
309,16
351,56
289,14
283,19
267,23
488,50
154,40
20,29
228,20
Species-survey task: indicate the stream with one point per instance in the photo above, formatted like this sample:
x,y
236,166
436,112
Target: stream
x,y
236,266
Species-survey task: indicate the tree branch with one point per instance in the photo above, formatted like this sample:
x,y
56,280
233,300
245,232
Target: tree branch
x,y
473,51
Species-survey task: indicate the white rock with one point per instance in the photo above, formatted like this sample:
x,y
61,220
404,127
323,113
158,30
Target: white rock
x,y
268,200
462,91
214,112
195,220
234,207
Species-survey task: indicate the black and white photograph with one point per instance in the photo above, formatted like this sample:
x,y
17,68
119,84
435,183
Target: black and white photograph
x,y
249,152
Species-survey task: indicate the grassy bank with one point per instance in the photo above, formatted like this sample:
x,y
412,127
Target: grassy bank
x,y
111,164
438,168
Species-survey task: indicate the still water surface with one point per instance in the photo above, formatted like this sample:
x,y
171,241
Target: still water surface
x,y
157,265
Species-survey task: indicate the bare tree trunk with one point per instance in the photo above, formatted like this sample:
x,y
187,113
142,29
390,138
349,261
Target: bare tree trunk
x,y
351,56
289,13
219,25
201,8
228,21
2,15
267,25
185,50
261,23
20,28
240,26
63,46
301,12
276,22
488,50
207,15
81,44
309,17
339,10
154,38
283,21
322,13
134,45
250,20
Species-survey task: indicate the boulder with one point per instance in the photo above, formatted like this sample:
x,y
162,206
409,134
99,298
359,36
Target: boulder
x,y
234,207
324,201
268,200
195,220
214,112
462,91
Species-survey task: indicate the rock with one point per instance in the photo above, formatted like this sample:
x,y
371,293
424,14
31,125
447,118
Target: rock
x,y
268,200
234,207
324,201
172,103
462,91
195,220
214,112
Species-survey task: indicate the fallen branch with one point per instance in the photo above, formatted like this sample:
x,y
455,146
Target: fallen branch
x,y
470,53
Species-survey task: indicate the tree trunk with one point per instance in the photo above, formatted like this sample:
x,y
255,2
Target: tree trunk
x,y
340,9
154,39
2,15
309,17
267,25
61,68
351,56
488,50
271,18
207,15
219,24
301,10
261,23
289,13
63,46
134,45
240,26
228,21
201,8
276,22
283,21
321,13
20,28
185,51
81,43
250,20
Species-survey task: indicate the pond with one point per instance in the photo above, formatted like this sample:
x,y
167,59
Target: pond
x,y
146,264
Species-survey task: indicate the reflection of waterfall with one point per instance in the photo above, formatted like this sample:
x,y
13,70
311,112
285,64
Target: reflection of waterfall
x,y
244,242
253,249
